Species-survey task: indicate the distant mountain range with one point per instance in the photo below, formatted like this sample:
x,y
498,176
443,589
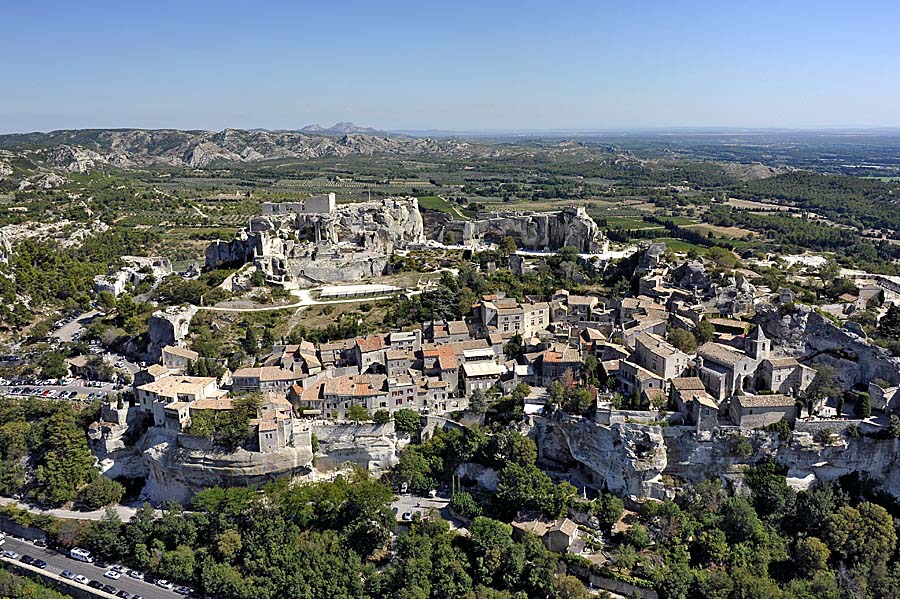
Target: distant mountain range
x,y
25,155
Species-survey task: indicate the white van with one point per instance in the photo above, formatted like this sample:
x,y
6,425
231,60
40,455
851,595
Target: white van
x,y
82,555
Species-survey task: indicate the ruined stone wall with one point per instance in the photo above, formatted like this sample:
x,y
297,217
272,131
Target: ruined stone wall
x,y
352,243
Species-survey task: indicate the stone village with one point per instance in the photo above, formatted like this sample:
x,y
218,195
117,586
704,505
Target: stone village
x,y
686,407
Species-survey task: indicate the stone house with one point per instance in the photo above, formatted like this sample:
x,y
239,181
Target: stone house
x,y
480,375
337,353
556,361
179,358
264,378
156,396
755,411
784,375
558,535
407,341
369,351
635,379
660,357
398,361
704,412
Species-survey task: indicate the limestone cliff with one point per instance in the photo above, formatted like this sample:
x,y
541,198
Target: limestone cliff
x,y
627,459
531,230
630,459
814,339
175,472
168,327
374,447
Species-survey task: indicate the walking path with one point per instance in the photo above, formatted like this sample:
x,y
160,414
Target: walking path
x,y
125,512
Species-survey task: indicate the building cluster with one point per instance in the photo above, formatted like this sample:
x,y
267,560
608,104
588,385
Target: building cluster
x,y
735,378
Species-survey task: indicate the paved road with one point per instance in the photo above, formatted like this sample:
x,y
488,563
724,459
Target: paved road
x,y
57,562
125,511
413,504
305,301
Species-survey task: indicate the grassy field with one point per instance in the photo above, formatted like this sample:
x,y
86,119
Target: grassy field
x,y
721,232
439,204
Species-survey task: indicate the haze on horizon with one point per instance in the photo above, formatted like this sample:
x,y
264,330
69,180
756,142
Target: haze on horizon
x,y
455,66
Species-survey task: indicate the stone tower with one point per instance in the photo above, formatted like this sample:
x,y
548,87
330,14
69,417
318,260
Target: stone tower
x,y
757,345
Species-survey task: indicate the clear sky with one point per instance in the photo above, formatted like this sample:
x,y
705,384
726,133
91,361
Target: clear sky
x,y
451,64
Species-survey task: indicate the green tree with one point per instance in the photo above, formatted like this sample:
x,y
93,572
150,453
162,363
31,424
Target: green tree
x,y
683,340
607,508
478,401
229,544
811,556
705,332
861,535
465,505
507,246
381,417
637,537
178,564
824,385
64,461
357,413
407,420
863,406
101,492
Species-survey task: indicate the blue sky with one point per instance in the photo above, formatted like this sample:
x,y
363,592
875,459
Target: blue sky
x,y
449,65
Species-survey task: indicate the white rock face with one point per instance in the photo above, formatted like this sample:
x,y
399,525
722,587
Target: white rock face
x,y
352,243
626,459
177,473
814,339
371,446
168,327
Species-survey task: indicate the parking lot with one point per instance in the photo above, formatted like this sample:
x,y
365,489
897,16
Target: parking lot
x,y
57,562
74,391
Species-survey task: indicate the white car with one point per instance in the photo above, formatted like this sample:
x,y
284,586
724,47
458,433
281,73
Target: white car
x,y
11,554
82,579
112,574
165,584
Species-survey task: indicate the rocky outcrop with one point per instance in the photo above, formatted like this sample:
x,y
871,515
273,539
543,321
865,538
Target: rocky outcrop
x,y
175,472
371,446
630,459
813,339
626,459
531,230
168,327
303,249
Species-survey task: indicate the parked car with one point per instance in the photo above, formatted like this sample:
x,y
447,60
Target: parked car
x,y
165,584
81,579
112,575
124,594
108,588
10,554
95,584
27,559
40,563
67,574
40,543
135,574
183,590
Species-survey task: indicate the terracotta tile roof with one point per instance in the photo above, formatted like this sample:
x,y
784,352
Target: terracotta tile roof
x,y
370,343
